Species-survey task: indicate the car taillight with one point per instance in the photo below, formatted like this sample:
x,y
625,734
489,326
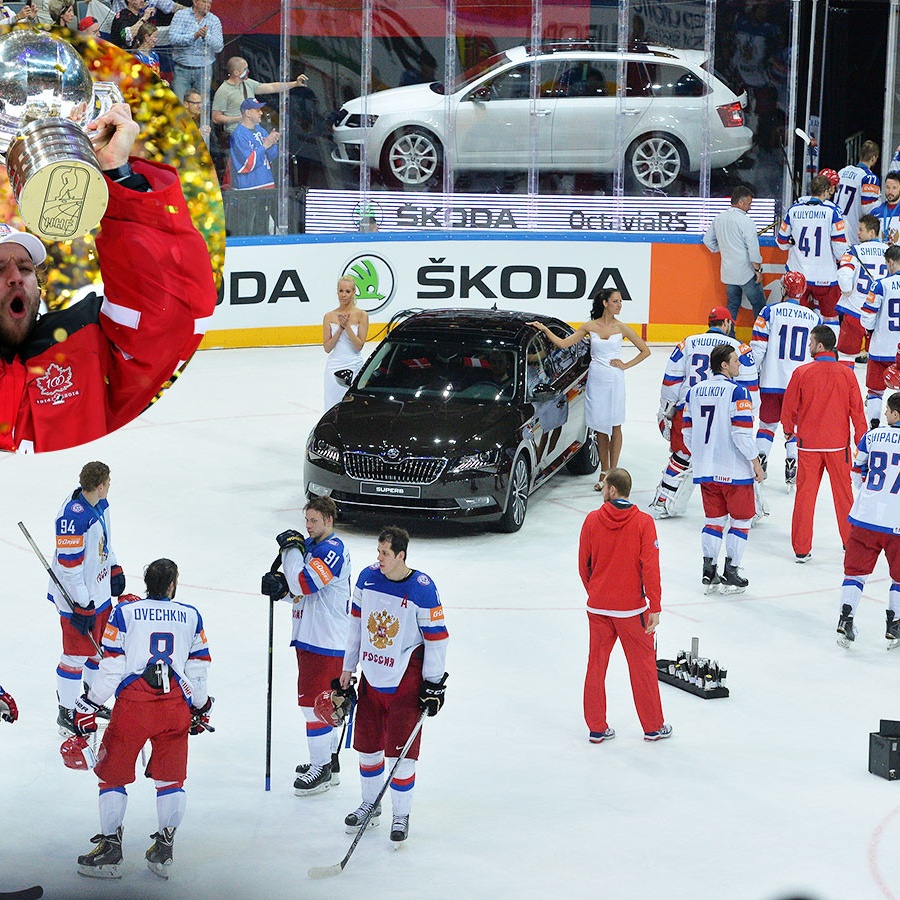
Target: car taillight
x,y
731,114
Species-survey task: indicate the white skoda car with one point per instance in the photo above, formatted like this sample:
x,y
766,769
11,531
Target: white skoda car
x,y
485,121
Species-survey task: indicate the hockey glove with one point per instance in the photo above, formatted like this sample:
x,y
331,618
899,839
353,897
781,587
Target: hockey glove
x,y
344,699
85,715
664,419
291,538
431,696
274,585
200,717
9,712
116,581
83,618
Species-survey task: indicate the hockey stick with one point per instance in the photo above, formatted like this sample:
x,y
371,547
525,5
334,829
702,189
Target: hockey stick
x,y
337,868
274,568
56,581
32,893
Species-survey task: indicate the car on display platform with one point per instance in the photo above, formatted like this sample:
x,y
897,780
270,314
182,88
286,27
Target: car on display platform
x,y
483,122
457,414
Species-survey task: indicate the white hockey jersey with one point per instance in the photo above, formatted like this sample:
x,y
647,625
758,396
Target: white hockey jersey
x,y
689,364
881,315
319,584
389,620
857,194
876,468
719,431
889,216
140,634
781,343
812,232
859,268
83,557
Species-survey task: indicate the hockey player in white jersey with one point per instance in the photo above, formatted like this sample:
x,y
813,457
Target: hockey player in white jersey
x,y
874,527
689,364
881,317
316,581
812,232
858,191
155,661
861,266
888,212
780,345
718,431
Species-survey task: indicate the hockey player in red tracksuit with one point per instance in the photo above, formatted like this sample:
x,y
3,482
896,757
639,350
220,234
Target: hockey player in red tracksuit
x,y
82,372
822,400
618,560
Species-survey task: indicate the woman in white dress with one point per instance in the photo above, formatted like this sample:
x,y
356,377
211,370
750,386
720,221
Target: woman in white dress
x,y
344,332
605,395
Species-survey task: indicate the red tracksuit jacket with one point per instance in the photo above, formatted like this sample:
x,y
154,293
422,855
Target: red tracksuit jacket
x,y
88,369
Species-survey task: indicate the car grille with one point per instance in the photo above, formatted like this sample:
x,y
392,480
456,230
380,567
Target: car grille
x,y
412,470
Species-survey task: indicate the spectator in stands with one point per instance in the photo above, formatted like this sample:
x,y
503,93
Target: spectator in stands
x,y
28,12
193,104
144,41
89,27
125,24
252,149
238,87
62,13
196,38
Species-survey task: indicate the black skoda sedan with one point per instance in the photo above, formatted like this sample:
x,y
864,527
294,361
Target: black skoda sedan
x,y
458,414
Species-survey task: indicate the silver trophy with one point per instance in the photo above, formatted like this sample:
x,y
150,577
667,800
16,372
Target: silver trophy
x,y
47,99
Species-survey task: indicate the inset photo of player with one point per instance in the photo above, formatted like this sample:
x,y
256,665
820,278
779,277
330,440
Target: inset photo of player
x,y
112,238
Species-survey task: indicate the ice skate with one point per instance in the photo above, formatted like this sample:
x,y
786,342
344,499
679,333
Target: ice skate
x,y
762,507
764,462
790,473
159,856
732,581
711,579
354,820
303,768
399,830
105,859
845,627
874,423
892,630
661,734
316,780
66,722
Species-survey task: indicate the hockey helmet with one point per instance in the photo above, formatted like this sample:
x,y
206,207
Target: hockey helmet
x,y
892,373
831,175
794,284
334,705
77,754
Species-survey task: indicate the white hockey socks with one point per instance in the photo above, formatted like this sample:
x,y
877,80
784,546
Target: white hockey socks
x,y
318,738
736,540
371,775
873,405
711,537
851,591
171,801
113,801
402,785
69,673
894,599
765,437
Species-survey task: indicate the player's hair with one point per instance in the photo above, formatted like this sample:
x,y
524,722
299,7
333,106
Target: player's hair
x,y
892,176
741,192
599,301
892,254
324,505
824,334
819,186
719,357
620,479
870,222
397,537
92,475
159,575
893,402
868,151
235,64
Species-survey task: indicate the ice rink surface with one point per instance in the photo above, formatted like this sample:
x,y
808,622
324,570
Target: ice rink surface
x,y
762,795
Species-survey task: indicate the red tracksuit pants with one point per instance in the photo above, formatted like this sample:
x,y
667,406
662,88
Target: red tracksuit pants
x,y
810,465
641,658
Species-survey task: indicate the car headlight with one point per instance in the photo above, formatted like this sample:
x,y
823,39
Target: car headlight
x,y
357,121
319,449
486,461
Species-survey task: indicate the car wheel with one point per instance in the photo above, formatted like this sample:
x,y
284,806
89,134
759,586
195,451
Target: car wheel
x,y
586,460
412,157
516,497
656,160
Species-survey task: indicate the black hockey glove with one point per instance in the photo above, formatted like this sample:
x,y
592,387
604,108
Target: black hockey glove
x,y
200,717
291,538
83,618
344,699
274,585
116,581
431,696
